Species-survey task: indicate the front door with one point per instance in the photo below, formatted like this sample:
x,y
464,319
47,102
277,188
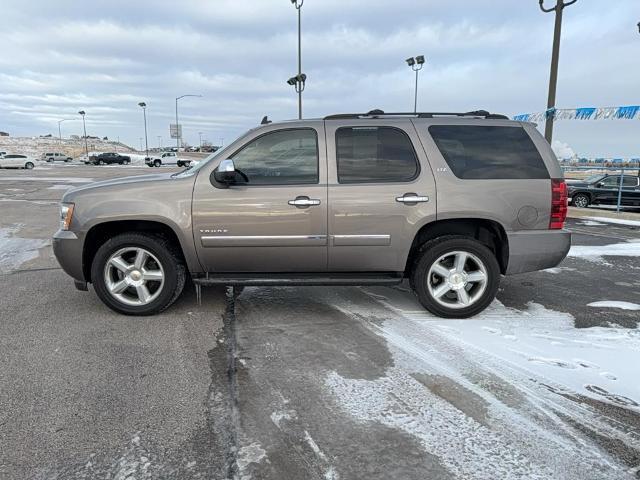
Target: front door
x,y
381,190
277,221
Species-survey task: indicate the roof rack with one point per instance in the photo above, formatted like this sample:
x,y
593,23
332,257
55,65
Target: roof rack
x,y
380,113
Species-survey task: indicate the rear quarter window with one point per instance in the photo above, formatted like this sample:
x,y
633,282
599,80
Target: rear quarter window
x,y
489,152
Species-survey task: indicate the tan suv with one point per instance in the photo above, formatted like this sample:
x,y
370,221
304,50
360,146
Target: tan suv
x,y
449,201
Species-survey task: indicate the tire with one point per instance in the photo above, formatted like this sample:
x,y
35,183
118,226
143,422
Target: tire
x,y
179,164
581,200
163,257
29,166
157,163
100,162
440,253
126,162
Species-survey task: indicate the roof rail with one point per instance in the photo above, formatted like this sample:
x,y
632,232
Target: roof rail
x,y
380,113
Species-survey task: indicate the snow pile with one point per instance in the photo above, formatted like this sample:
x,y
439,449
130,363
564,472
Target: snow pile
x,y
594,253
615,304
618,221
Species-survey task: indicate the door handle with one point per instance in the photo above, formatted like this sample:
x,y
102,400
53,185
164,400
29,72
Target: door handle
x,y
304,202
412,198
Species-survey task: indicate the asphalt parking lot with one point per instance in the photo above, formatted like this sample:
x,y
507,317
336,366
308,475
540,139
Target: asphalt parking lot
x,y
327,383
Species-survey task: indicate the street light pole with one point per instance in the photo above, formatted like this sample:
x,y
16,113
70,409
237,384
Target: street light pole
x,y
200,135
298,5
178,129
59,130
144,112
416,65
160,142
84,127
553,76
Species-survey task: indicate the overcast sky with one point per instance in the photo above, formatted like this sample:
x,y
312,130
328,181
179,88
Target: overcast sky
x,y
106,56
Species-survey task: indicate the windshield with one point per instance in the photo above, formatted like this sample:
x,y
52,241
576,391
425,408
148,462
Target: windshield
x,y
594,178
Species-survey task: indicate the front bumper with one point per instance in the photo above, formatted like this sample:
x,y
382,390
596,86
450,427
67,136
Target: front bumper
x,y
67,247
532,250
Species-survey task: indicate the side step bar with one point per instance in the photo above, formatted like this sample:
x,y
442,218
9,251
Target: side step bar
x,y
292,280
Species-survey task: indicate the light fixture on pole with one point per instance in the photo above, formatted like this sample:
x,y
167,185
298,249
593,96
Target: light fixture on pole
x,y
144,112
59,130
416,65
84,128
299,86
178,129
298,82
553,76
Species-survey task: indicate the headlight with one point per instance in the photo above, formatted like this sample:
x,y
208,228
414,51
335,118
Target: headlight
x,y
66,214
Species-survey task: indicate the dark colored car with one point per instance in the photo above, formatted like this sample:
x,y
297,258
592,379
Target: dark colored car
x,y
603,189
109,158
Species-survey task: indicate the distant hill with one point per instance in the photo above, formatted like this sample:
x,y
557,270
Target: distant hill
x,y
35,146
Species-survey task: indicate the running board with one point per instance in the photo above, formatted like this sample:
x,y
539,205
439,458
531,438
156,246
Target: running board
x,y
293,280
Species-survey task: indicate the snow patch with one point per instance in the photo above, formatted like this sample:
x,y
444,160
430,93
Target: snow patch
x,y
594,253
556,270
618,221
615,304
47,179
253,453
60,187
14,250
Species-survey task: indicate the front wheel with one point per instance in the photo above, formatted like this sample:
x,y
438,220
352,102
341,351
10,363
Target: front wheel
x,y
101,162
455,276
138,274
580,200
157,163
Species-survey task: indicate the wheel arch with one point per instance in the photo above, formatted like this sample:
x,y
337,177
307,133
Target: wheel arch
x,y
488,232
101,232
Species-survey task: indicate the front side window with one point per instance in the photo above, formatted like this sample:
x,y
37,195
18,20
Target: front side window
x,y
282,157
375,155
489,152
611,182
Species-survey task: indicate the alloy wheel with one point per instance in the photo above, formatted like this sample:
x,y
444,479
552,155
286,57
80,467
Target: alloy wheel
x,y
134,276
457,279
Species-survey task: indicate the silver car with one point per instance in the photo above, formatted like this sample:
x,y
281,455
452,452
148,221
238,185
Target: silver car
x,y
450,202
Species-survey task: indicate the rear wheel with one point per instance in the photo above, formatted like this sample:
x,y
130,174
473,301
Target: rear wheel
x,y
581,200
138,274
157,163
101,162
29,165
455,276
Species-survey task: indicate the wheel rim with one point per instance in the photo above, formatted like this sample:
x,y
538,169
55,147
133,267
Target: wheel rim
x,y
134,276
29,166
457,279
580,201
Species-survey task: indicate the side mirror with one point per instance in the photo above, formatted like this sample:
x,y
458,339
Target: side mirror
x,y
227,174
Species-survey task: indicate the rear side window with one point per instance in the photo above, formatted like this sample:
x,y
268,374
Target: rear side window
x,y
375,155
486,152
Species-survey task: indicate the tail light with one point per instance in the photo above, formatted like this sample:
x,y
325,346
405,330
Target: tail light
x,y
558,204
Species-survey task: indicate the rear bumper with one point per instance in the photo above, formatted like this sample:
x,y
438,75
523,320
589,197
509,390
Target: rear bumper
x,y
537,249
67,248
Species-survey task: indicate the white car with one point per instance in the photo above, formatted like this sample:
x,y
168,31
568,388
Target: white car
x,y
56,156
18,161
166,158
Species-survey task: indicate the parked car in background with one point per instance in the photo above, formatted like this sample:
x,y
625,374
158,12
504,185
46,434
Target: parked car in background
x,y
55,156
109,158
603,189
449,201
18,161
166,158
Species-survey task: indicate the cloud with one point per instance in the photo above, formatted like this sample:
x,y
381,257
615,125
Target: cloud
x,y
107,56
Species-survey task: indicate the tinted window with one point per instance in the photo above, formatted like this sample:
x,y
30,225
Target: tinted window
x,y
375,154
283,157
627,181
15,156
486,152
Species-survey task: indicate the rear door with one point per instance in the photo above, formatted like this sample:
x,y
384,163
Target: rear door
x,y
381,190
277,222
